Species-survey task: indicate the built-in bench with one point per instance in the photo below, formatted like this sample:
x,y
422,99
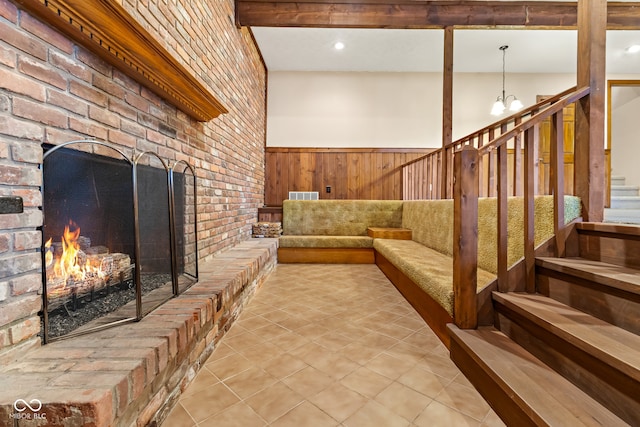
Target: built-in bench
x,y
133,374
422,267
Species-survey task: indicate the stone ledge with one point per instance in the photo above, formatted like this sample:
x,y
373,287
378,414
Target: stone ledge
x,y
131,375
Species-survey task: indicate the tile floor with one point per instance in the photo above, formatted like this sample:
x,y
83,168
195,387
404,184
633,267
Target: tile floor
x,y
330,345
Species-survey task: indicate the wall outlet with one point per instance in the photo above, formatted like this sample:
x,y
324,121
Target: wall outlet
x,y
328,188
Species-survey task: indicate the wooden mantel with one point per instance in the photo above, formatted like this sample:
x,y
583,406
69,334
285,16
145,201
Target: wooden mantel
x,y
108,30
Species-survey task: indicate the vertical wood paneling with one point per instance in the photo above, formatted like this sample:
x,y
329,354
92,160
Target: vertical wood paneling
x,y
351,173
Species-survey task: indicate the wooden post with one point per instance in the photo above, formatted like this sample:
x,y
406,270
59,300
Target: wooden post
x,y
465,238
557,179
502,212
447,107
530,181
590,126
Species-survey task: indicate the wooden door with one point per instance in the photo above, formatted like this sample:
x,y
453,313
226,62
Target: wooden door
x,y
544,163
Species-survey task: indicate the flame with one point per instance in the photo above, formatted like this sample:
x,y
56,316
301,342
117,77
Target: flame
x,y
69,265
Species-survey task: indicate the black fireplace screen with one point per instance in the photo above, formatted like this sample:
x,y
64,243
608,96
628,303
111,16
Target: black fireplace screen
x,y
119,236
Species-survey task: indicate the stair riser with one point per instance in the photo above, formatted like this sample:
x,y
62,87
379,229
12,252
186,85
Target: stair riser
x,y
618,180
610,387
607,247
616,307
625,203
624,192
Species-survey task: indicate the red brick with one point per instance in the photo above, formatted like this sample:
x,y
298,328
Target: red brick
x,y
116,380
104,116
88,93
107,85
132,128
24,330
122,109
8,56
46,33
29,218
42,113
20,175
121,138
31,198
68,102
22,41
58,136
27,153
93,61
88,127
5,243
146,415
71,66
8,11
27,283
19,308
73,406
27,240
16,83
137,102
42,72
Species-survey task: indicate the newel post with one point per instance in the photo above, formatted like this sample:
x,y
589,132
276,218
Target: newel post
x,y
465,237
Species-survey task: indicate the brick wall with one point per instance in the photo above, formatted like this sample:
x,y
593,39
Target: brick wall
x,y
52,90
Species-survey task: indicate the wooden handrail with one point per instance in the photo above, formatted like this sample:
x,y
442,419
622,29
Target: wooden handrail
x,y
466,190
535,119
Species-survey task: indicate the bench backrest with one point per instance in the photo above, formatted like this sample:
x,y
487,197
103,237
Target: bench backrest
x,y
431,222
339,217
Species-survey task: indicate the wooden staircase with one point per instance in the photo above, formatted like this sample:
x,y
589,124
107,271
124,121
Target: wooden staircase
x,y
568,355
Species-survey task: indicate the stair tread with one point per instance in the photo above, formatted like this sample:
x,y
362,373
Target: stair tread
x,y
552,399
613,345
600,227
615,276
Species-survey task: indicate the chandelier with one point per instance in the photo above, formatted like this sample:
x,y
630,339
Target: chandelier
x,y
501,102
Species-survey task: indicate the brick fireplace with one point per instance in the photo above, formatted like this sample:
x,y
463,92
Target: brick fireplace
x,y
54,91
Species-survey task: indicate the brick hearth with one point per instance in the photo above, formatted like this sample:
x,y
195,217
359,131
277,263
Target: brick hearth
x,y
130,375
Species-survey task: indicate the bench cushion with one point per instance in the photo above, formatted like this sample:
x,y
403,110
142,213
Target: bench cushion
x,y
326,242
431,270
339,217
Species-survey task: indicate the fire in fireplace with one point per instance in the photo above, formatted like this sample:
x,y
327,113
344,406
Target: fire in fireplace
x,y
119,235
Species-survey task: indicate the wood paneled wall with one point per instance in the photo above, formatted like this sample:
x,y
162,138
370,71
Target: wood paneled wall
x,y
352,173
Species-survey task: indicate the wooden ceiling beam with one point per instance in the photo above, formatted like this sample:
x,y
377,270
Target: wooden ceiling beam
x,y
425,14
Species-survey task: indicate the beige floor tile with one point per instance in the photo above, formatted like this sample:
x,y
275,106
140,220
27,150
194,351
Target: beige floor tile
x,y
375,414
439,415
275,401
403,400
339,401
229,366
424,382
308,382
310,350
249,382
305,414
179,417
237,415
335,365
209,402
464,399
492,420
389,366
284,365
366,382
204,379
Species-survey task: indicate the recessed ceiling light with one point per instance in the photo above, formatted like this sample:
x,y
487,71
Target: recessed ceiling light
x,y
634,48
338,46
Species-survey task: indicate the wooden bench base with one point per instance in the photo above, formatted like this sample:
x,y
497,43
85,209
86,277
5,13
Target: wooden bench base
x,y
432,312
326,255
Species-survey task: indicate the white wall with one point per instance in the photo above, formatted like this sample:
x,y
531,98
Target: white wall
x,y
625,141
403,110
